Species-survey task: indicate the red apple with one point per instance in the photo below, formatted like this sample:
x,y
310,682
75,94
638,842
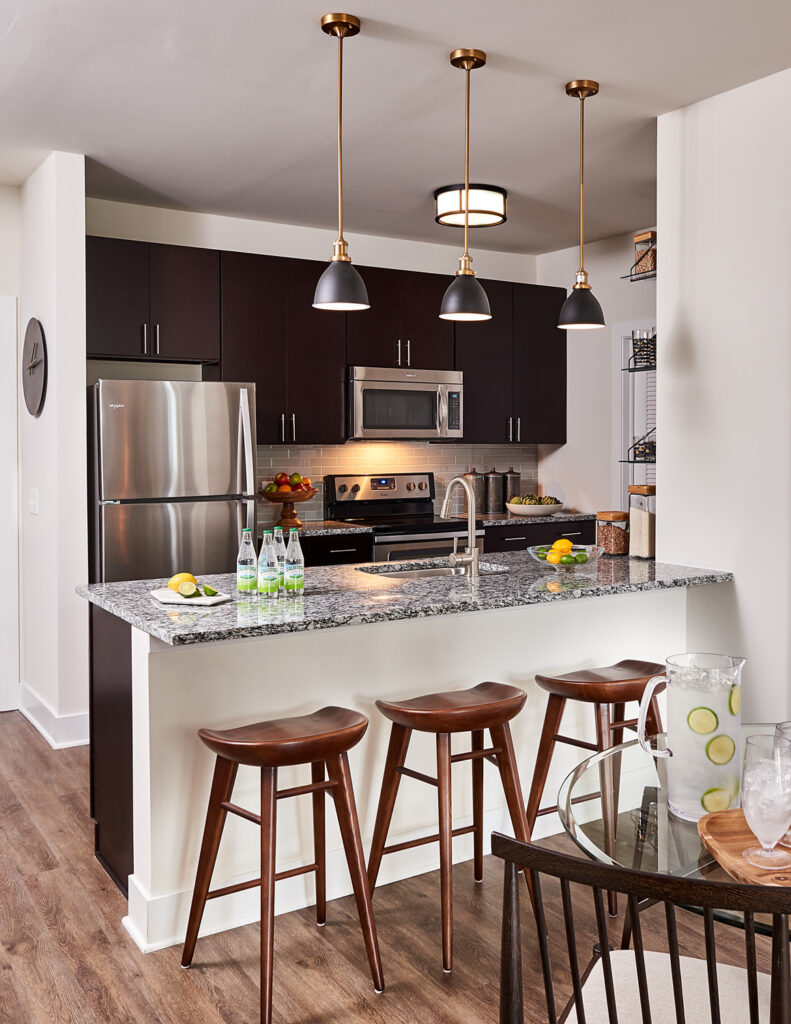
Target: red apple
x,y
281,478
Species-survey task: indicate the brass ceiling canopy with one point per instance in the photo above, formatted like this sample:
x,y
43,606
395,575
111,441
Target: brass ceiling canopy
x,y
340,25
468,60
582,88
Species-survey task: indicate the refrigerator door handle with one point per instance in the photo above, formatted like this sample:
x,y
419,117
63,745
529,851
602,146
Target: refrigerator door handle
x,y
247,441
250,515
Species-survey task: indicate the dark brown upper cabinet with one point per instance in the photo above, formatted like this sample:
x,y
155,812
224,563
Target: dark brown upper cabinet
x,y
152,301
295,355
402,328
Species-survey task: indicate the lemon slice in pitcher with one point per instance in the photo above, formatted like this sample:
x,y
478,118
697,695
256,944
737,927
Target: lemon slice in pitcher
x,y
720,750
716,800
702,721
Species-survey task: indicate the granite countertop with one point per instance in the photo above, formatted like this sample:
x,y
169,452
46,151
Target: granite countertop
x,y
323,528
348,595
508,519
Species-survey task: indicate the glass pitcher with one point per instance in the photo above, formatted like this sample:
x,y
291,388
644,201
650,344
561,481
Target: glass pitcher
x,y
704,704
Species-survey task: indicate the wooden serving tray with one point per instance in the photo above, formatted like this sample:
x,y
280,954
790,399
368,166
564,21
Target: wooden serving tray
x,y
726,835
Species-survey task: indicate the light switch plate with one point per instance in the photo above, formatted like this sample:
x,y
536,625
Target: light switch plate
x,y
32,501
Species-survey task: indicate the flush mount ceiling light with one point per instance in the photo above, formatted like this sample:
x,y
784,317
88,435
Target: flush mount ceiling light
x,y
465,298
487,205
340,287
581,310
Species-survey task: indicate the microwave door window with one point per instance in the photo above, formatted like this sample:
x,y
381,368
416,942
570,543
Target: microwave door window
x,y
399,410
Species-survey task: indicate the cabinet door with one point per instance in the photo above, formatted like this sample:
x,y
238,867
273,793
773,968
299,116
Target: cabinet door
x,y
185,302
372,335
484,354
315,359
539,366
340,549
254,334
116,291
429,340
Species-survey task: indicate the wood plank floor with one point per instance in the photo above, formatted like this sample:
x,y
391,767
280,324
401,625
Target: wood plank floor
x,y
65,958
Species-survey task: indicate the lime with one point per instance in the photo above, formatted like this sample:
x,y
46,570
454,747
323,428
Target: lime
x,y
542,555
209,591
188,589
702,721
735,700
716,800
581,557
181,577
720,750
542,550
567,560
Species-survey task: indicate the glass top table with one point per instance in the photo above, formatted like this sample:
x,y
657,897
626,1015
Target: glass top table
x,y
647,836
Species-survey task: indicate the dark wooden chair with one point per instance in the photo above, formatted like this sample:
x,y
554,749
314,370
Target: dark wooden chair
x,y
485,706
321,740
609,689
630,985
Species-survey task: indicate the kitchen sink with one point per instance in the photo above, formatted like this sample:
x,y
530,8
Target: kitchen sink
x,y
416,572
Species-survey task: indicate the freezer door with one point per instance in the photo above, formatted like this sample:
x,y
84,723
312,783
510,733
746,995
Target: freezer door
x,y
174,439
147,540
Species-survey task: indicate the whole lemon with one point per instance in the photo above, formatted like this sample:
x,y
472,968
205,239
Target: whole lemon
x,y
554,557
181,577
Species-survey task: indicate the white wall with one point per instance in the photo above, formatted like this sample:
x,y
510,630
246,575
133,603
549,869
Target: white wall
x,y
212,231
585,471
9,519
53,543
724,470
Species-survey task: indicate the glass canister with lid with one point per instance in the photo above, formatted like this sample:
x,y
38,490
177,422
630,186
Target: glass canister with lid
x,y
612,532
642,520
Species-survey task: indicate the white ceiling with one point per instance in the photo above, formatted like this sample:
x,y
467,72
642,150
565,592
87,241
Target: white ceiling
x,y
229,106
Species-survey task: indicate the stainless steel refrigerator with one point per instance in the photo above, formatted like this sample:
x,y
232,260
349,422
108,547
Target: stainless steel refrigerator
x,y
173,479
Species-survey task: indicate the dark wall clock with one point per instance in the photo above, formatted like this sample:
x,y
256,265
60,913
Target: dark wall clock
x,y
34,367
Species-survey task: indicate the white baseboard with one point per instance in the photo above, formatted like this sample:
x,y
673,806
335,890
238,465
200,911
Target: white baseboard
x,y
58,730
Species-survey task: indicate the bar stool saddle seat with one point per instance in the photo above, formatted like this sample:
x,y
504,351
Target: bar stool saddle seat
x,y
456,710
288,741
612,684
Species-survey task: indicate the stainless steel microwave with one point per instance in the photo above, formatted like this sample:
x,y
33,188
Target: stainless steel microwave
x,y
387,404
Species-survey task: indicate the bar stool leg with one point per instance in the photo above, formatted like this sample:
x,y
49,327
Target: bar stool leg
x,y
607,784
552,718
616,738
477,806
221,789
396,755
445,847
319,844
653,718
268,847
509,773
338,770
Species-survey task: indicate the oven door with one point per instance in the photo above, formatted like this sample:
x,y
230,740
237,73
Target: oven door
x,y
387,410
422,545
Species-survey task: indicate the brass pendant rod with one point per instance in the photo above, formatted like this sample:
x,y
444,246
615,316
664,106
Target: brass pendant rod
x,y
340,137
582,182
467,164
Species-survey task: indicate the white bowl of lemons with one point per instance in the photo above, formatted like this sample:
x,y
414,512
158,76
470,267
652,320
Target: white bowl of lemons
x,y
564,556
533,505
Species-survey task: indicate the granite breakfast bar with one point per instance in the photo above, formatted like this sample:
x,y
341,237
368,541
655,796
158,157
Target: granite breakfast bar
x,y
357,635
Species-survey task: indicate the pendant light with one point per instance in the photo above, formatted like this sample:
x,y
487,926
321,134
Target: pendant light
x,y
340,287
581,310
465,298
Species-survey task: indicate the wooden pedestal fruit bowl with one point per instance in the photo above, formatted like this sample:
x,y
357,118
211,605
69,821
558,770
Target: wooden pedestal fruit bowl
x,y
288,499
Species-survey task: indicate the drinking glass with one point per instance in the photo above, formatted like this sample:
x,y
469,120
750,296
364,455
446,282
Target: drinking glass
x,y
784,729
766,798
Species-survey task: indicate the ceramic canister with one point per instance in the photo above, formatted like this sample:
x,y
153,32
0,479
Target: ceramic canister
x,y
495,497
513,483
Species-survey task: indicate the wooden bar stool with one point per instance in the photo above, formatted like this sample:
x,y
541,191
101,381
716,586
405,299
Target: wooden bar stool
x,y
321,740
613,685
486,706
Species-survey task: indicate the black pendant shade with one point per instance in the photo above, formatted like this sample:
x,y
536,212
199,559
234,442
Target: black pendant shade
x,y
581,311
465,299
341,288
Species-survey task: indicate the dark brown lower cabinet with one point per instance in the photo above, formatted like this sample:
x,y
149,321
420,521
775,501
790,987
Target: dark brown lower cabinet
x,y
111,743
339,549
526,535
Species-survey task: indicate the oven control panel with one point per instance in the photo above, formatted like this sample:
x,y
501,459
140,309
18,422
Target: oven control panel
x,y
387,487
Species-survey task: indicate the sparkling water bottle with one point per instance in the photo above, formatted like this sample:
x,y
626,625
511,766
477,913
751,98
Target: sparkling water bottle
x,y
245,565
294,565
267,568
280,551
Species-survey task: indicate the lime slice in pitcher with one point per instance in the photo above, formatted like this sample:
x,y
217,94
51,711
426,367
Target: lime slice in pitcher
x,y
702,721
720,750
735,700
716,800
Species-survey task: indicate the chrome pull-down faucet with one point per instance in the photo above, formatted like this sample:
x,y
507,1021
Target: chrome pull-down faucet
x,y
470,556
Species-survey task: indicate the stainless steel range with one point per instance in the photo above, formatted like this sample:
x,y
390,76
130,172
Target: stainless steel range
x,y
400,509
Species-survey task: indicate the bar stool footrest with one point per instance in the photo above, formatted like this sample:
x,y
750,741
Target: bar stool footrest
x,y
411,843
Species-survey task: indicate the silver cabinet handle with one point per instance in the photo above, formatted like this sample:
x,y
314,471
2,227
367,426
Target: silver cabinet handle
x,y
577,534
293,426
398,358
282,426
518,429
156,339
341,551
510,540
145,339
510,428
408,352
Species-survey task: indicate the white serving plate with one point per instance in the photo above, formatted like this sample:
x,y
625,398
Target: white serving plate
x,y
534,510
167,596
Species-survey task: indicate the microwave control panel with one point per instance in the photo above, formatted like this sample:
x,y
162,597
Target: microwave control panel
x,y
454,410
